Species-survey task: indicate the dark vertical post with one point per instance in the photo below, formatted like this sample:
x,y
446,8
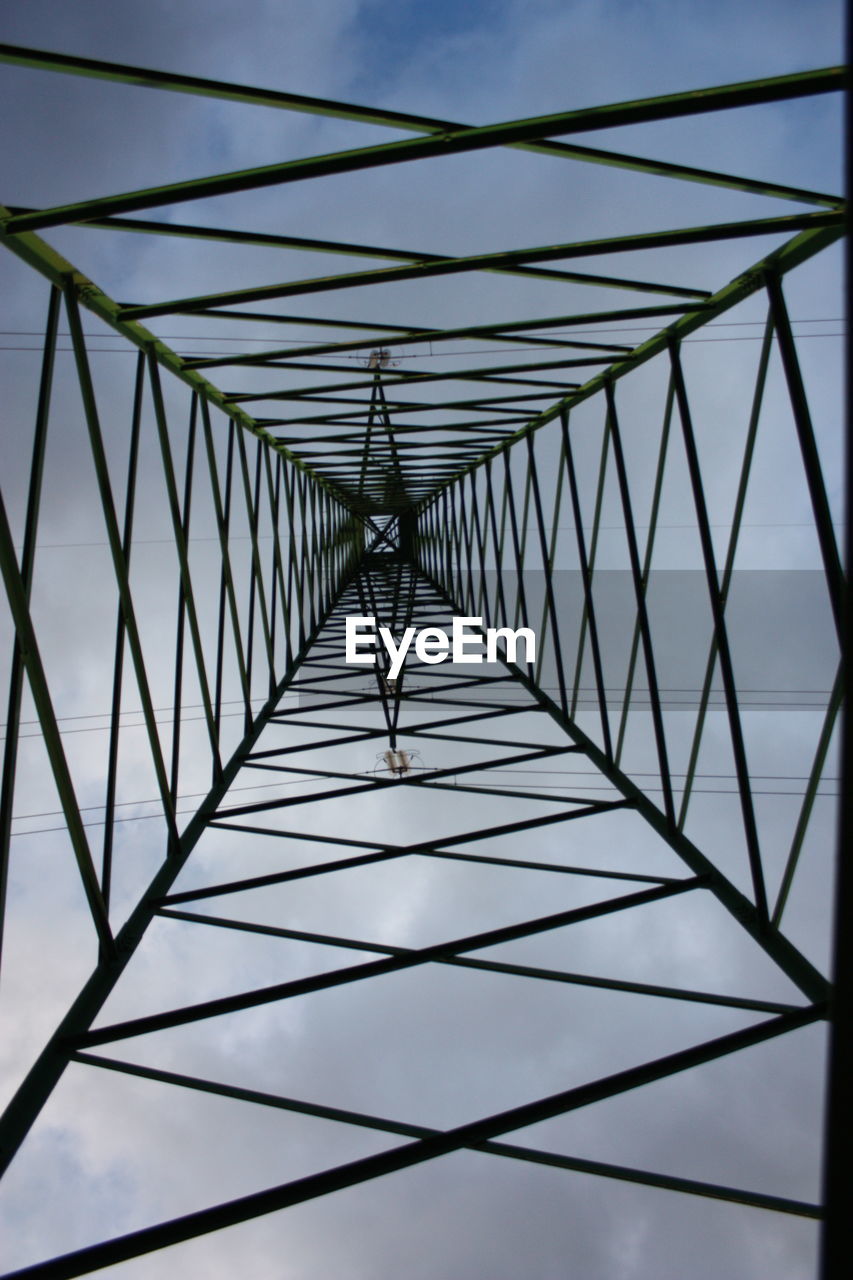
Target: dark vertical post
x,y
118,663
177,701
640,598
838,1169
517,548
720,635
549,581
102,474
587,586
808,447
16,680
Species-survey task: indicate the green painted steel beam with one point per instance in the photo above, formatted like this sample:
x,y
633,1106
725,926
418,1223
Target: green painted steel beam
x,y
55,268
798,967
505,331
301,1190
481,404
368,251
385,332
49,1067
482,373
326,322
142,77
298,396
455,142
599,1168
494,378
489,261
484,432
28,646
691,995
212,1008
273,424
791,254
363,251
147,78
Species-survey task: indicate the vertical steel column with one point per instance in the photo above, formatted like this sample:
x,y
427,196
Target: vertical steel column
x,y
16,678
640,598
586,577
118,662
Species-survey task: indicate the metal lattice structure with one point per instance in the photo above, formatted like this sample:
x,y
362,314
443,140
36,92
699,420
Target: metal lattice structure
x,y
517,489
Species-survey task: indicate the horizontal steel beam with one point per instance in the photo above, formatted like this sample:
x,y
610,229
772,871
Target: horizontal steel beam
x,y
490,261
456,142
142,77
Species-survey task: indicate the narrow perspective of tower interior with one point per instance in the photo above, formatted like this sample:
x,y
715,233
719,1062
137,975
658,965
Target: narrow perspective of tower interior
x,y
422,768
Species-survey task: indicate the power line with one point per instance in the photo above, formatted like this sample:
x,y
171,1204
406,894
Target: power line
x,y
590,700
204,337
431,355
422,355
125,804
137,711
267,537
569,777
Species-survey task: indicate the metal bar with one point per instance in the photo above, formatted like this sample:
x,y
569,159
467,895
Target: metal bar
x,y
147,78
258,572
274,496
358,972
593,551
490,374
177,698
183,561
549,585
255,1205
497,543
586,576
507,331
483,606
118,662
642,613
299,494
510,262
838,1121
311,556
489,261
517,546
50,1065
44,259
647,565
385,853
791,254
28,644
272,499
791,961
595,1167
16,677
737,518
465,530
815,775
292,570
538,753
835,580
721,636
232,236
226,588
119,564
460,141
490,966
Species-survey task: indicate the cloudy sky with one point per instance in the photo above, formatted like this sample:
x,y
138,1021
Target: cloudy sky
x,y
435,1046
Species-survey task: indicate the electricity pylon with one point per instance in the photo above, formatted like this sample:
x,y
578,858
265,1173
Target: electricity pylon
x,y
496,505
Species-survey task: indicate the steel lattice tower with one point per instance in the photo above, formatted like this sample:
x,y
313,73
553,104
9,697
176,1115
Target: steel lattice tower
x,y
535,493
